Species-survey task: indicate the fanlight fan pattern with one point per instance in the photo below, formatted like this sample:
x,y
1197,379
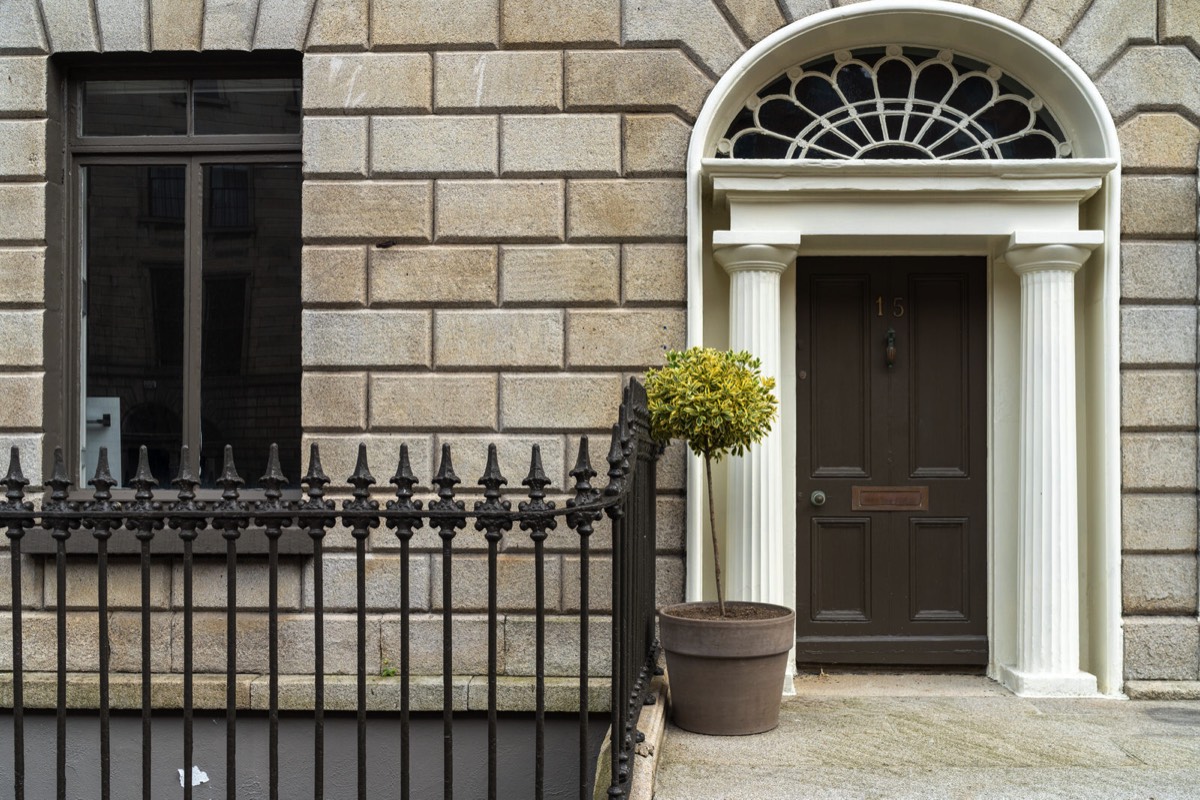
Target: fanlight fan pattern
x,y
894,103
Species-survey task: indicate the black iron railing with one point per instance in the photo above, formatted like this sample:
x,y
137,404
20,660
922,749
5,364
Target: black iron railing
x,y
628,499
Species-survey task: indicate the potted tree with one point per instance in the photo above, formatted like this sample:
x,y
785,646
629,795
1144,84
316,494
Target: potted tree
x,y
726,661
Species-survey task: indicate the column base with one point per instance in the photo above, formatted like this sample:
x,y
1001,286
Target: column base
x,y
1048,684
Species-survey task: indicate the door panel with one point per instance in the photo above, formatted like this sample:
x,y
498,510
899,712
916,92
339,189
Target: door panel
x,y
891,357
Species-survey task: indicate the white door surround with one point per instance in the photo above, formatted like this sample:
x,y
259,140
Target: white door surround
x,y
1054,501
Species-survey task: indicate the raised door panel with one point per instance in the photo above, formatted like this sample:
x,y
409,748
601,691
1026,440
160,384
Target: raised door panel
x,y
939,569
939,409
841,569
840,385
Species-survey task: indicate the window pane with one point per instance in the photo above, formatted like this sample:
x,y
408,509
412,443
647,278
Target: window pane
x,y
135,313
263,105
250,373
134,108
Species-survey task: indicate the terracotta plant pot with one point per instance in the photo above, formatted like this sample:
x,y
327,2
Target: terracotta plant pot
x,y
726,675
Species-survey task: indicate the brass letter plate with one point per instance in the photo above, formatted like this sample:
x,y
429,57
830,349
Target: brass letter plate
x,y
889,498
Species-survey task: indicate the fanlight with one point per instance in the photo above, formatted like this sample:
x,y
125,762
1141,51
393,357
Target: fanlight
x,y
894,103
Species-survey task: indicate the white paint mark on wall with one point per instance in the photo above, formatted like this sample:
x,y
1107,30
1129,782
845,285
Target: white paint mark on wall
x,y
199,776
480,68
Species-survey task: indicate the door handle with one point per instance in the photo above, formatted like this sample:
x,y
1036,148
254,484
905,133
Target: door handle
x,y
817,498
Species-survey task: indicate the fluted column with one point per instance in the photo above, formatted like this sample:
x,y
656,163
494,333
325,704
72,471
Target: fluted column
x,y
1048,495
754,516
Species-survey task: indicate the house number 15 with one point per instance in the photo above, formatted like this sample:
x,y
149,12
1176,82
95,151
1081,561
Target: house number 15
x,y
897,306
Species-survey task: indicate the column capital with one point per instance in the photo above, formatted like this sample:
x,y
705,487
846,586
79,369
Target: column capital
x,y
1028,252
769,251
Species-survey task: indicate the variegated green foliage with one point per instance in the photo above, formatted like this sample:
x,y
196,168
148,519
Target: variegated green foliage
x,y
717,400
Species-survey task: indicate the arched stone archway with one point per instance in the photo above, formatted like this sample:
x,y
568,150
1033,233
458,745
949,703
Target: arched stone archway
x,y
1052,500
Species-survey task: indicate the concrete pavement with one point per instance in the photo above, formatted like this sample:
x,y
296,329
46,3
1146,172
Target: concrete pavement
x,y
944,736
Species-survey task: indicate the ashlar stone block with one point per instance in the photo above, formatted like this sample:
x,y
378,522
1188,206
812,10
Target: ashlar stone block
x,y
1106,28
525,338
69,26
1158,205
21,27
415,23
382,572
253,582
1158,399
434,146
561,144
507,80
338,25
124,583
1180,22
20,338
562,645
24,152
1158,522
1162,648
32,571
22,210
1159,141
1151,78
572,22
630,210
562,402
366,338
395,83
504,210
442,401
469,638
1053,19
634,80
22,274
655,145
559,274
333,275
1160,335
123,25
333,400
282,24
335,146
176,25
627,338
654,273
514,582
22,408
229,24
1158,461
24,82
756,18
1158,271
400,210
435,276
695,25
1159,583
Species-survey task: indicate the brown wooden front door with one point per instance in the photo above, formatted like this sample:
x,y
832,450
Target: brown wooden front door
x,y
892,566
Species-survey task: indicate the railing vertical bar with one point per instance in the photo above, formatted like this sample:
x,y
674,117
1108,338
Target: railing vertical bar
x,y
231,663
147,695
188,664
616,714
493,544
273,657
105,660
405,669
18,665
318,663
539,580
445,480
60,722
585,749
360,571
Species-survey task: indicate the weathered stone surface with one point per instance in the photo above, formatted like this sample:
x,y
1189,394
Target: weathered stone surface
x,y
83,651
1158,271
1161,648
124,582
339,454
671,516
22,406
1158,399
797,9
1160,142
444,402
599,583
383,574
367,338
20,338
498,338
24,82
668,580
333,400
367,210
568,402
562,645
518,693
31,585
396,83
512,454
655,145
434,275
695,25
514,582
1162,690
21,27
561,144
561,21
625,209
654,273
123,25
434,146
494,81
635,80
499,210
1151,78
1106,28
1159,584
296,643
562,274
335,146
338,24
1180,22
469,637
1158,335
282,24
333,275
69,26
176,25
253,583
671,474
1053,19
1158,522
1005,8
22,211
229,24
1158,461
756,18
629,338
414,23
23,272
1160,205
